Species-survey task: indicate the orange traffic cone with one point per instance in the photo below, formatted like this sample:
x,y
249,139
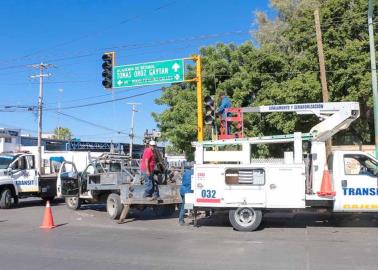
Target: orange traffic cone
x,y
48,220
326,186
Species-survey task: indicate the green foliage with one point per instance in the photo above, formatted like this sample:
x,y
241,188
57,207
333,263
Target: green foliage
x,y
282,69
62,133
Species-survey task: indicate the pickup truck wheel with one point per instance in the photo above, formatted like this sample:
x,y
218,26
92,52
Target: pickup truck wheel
x,y
114,206
245,219
6,199
73,203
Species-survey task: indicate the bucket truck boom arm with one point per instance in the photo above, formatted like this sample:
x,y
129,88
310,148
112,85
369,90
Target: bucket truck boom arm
x,y
334,116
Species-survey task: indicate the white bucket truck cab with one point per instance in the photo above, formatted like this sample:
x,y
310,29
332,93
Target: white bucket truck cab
x,y
230,180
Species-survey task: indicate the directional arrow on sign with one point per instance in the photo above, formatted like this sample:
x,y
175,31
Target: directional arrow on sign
x,y
119,82
175,67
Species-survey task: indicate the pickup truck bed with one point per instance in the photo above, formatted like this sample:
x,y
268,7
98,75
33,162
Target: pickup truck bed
x,y
47,185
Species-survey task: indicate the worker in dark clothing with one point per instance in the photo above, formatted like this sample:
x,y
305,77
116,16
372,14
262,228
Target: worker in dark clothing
x,y
185,188
225,104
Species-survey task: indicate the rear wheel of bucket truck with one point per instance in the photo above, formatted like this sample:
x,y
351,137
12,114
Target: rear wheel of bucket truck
x,y
245,219
114,206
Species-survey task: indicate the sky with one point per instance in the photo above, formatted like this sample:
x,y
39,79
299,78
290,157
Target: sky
x,y
72,35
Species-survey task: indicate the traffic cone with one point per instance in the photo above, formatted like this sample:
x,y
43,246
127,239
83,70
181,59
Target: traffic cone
x,y
326,186
48,220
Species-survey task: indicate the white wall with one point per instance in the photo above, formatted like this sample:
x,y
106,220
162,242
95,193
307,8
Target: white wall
x,y
6,134
81,159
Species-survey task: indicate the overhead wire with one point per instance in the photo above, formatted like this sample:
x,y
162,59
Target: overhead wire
x,y
91,123
104,102
27,107
159,8
136,46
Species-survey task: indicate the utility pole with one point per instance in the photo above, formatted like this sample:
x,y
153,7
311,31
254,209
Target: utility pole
x,y
373,73
323,77
41,75
59,106
131,135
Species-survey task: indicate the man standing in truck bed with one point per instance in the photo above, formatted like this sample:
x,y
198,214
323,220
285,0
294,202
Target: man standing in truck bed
x,y
147,171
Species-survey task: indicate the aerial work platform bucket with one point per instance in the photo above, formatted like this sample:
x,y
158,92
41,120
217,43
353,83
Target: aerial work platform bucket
x,y
234,117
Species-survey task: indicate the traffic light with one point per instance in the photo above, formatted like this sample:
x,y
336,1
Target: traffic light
x,y
107,69
209,110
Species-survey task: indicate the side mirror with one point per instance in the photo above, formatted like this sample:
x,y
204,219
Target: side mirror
x,y
9,171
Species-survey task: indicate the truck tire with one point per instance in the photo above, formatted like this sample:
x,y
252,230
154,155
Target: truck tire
x,y
245,219
73,203
114,206
6,199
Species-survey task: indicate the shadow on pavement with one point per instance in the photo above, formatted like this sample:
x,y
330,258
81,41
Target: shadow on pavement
x,y
37,202
303,220
299,220
134,214
60,225
94,206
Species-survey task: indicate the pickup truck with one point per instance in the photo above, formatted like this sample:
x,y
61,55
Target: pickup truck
x,y
20,179
115,180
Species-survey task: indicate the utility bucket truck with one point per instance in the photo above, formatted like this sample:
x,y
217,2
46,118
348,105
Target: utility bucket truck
x,y
20,179
227,178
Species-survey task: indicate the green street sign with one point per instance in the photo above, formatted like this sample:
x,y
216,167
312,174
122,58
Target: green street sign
x,y
169,71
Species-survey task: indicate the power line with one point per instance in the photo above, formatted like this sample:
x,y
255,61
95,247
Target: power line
x,y
91,123
101,31
32,107
104,102
137,46
98,96
50,82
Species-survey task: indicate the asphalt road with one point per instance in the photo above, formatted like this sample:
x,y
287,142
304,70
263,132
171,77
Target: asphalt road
x,y
88,239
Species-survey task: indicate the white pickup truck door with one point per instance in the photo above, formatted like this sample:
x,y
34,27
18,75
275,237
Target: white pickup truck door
x,y
24,174
356,183
68,180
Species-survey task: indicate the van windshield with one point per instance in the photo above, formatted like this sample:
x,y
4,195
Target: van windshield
x,y
5,161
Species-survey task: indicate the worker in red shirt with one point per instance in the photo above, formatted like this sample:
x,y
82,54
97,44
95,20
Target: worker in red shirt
x,y
147,171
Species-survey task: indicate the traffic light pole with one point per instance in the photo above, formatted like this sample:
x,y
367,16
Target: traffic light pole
x,y
197,58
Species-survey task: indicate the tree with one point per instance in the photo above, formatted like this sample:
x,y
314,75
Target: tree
x,y
62,133
346,47
283,68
